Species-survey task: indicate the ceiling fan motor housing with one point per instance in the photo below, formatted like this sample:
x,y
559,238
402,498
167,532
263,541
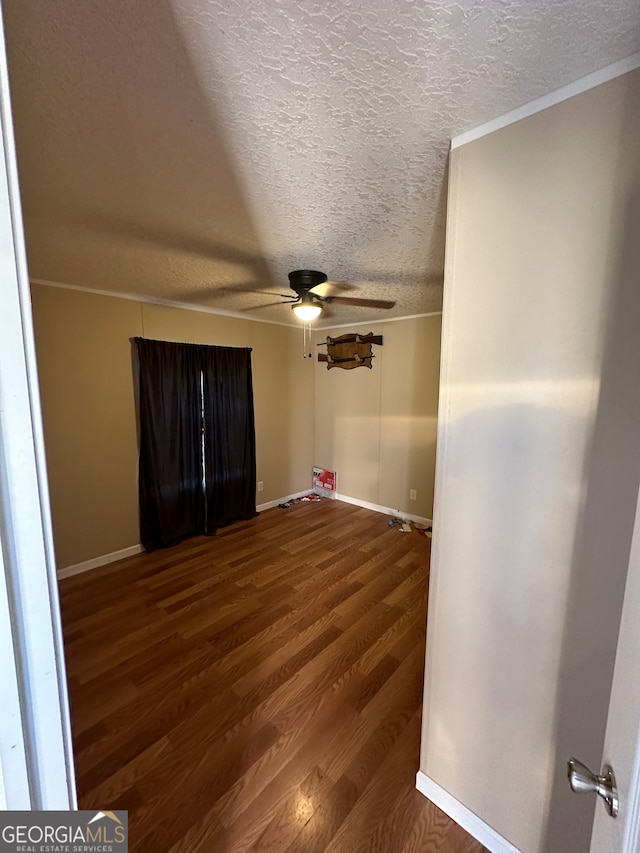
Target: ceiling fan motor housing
x,y
302,281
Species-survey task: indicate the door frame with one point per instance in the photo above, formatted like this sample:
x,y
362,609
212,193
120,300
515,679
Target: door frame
x,y
36,759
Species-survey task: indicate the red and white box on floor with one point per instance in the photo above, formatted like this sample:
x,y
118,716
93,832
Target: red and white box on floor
x,y
324,482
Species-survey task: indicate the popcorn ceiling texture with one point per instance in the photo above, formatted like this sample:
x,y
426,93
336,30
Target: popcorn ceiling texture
x,y
198,150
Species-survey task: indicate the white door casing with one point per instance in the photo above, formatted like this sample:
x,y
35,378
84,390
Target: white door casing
x,y
35,737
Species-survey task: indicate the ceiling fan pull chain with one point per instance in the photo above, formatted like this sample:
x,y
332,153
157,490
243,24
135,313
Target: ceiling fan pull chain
x,y
305,331
306,339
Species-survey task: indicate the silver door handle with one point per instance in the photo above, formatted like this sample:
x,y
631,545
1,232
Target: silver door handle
x,y
584,781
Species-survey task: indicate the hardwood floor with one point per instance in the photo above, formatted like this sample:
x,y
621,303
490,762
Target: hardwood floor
x,y
260,689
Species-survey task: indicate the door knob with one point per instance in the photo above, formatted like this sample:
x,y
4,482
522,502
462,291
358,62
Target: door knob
x,y
584,781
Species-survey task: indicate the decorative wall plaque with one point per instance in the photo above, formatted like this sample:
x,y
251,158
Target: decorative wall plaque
x,y
349,351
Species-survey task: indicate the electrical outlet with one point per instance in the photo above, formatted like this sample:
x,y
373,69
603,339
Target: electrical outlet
x,y
413,495
260,485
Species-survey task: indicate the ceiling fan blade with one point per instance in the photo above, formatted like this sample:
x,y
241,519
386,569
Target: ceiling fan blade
x,y
365,303
328,288
240,289
269,304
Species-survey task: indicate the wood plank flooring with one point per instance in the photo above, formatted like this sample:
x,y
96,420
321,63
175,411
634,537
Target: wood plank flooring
x,y
260,689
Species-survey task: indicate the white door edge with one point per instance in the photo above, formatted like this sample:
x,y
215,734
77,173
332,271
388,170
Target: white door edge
x,y
631,842
34,659
622,738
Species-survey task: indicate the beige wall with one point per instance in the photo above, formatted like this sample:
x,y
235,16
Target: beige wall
x,y
85,372
377,428
538,469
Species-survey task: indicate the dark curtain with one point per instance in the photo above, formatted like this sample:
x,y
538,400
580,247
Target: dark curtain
x,y
181,493
170,466
230,442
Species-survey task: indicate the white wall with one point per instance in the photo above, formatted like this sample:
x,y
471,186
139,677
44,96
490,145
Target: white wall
x,y
535,474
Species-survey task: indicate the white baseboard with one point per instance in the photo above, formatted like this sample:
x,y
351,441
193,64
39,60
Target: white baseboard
x,y
325,493
271,504
105,559
463,816
78,568
387,510
94,563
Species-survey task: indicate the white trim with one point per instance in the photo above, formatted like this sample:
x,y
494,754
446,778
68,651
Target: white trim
x,y
373,322
271,504
387,510
105,559
3,800
631,843
597,78
164,303
25,513
123,553
206,309
442,439
13,751
96,562
463,816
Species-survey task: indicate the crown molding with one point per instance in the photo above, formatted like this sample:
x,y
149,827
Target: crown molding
x,y
591,81
383,320
152,300
185,306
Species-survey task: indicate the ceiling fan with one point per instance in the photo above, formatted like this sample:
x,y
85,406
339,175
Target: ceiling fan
x,y
307,304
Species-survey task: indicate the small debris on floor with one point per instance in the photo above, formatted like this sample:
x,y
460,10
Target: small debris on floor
x,y
311,498
408,526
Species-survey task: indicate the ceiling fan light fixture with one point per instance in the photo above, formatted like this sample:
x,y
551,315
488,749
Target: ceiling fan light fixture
x,y
307,311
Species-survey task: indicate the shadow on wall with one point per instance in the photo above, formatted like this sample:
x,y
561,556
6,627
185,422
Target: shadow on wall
x,y
125,158
521,597
604,533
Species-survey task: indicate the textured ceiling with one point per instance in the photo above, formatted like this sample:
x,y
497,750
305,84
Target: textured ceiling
x,y
198,150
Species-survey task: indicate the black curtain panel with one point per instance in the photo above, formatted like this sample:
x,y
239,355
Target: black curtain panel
x,y
230,444
197,440
170,465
